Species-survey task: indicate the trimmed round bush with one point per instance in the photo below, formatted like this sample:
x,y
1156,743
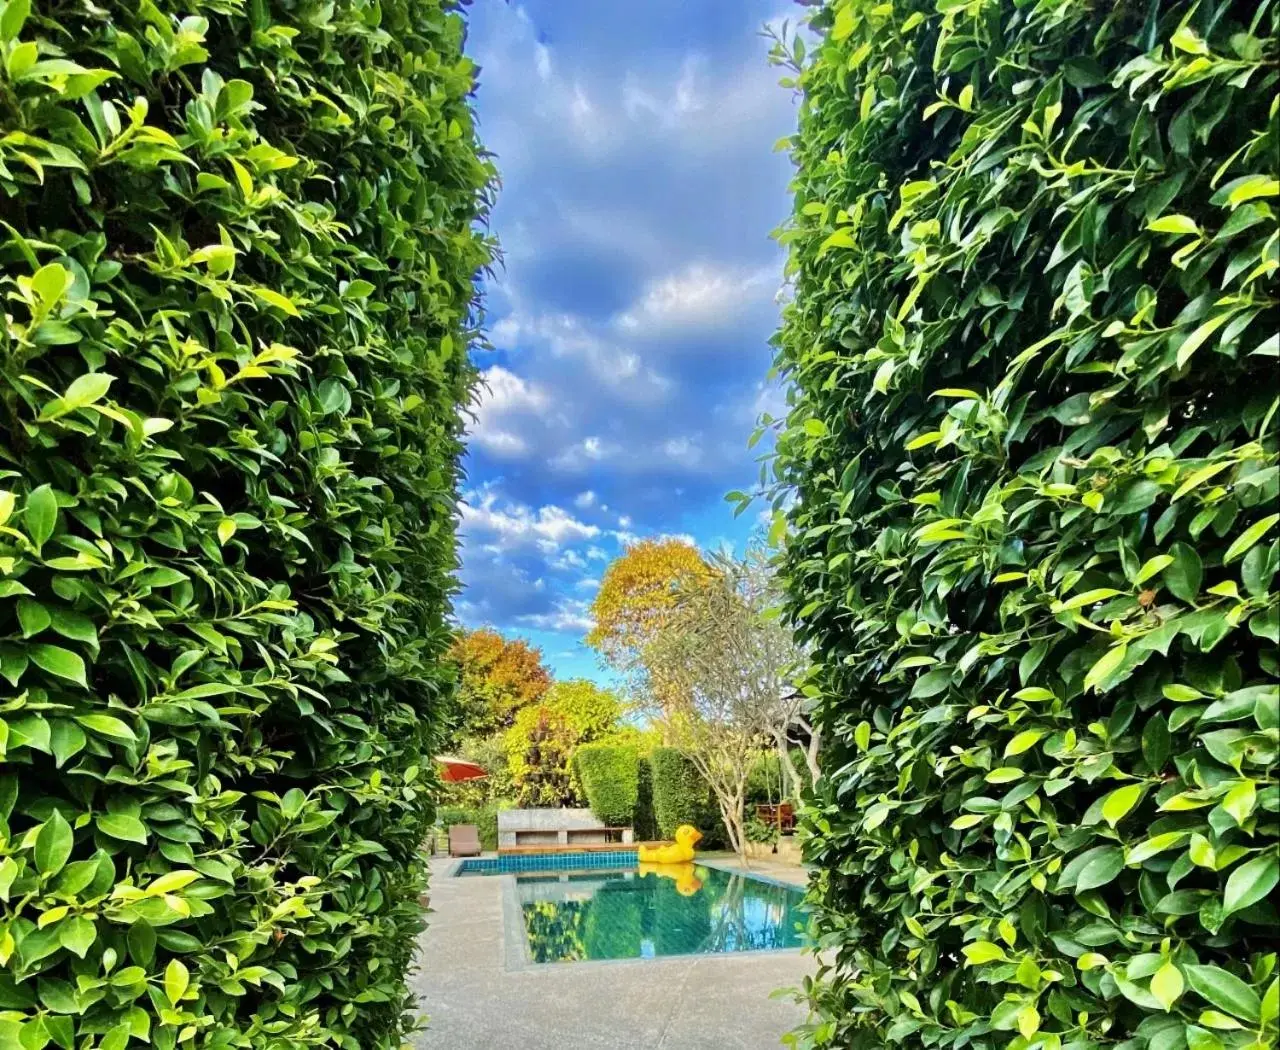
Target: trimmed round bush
x,y
238,265
1032,541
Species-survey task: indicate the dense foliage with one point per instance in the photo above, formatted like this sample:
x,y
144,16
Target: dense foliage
x,y
541,742
636,594
238,270
1032,449
610,777
681,796
497,677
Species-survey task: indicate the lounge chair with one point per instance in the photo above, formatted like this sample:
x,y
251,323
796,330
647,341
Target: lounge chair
x,y
464,840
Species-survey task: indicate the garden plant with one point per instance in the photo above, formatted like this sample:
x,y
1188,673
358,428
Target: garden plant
x,y
238,259
1028,480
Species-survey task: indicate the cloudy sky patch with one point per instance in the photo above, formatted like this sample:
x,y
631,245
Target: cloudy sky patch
x,y
630,319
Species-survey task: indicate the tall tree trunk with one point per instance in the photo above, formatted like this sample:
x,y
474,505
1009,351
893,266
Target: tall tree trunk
x,y
795,784
811,752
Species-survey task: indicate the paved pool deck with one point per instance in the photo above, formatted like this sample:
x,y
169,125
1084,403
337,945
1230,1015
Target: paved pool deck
x,y
707,1002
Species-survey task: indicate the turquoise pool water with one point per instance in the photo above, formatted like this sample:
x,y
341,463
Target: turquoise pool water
x,y
627,914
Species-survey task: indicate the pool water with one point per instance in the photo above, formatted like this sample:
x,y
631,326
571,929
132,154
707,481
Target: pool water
x,y
639,914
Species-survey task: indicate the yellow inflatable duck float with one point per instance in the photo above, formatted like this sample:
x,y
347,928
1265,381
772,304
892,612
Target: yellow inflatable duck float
x,y
684,875
680,852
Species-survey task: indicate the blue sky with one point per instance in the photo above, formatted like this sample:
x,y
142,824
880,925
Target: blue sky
x,y
631,320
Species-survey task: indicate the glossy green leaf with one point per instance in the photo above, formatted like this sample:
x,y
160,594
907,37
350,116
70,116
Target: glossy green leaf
x,y
1251,882
1225,991
53,845
60,662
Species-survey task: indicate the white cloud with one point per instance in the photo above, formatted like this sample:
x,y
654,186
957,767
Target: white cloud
x,y
568,336
583,500
682,450
597,554
570,559
587,583
501,442
504,391
505,401
568,615
515,525
624,522
699,296
581,454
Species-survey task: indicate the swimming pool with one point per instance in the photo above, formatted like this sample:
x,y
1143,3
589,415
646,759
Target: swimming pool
x,y
654,911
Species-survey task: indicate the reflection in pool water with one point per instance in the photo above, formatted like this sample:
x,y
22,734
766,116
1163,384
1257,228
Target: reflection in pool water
x,y
655,911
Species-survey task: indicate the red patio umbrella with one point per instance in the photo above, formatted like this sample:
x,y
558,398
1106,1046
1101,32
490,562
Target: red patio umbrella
x,y
454,769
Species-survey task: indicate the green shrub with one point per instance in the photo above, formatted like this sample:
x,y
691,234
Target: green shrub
x,y
760,831
681,796
1032,445
238,272
610,778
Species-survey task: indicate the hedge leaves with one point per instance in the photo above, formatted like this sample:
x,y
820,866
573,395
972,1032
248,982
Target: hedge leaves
x,y
1032,539
238,258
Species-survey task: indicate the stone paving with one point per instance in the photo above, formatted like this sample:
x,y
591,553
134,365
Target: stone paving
x,y
473,1002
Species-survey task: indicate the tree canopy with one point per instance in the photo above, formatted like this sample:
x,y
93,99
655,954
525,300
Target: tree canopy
x,y
497,677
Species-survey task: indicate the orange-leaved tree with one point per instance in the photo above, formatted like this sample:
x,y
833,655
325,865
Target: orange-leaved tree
x,y
497,678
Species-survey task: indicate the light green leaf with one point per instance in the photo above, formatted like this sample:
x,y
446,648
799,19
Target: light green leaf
x,y
1156,844
40,516
108,725
1173,224
1106,666
53,845
121,826
176,981
1249,537
1195,340
77,935
274,298
1152,566
13,19
1186,39
1240,801
1086,598
58,661
1250,883
980,952
1118,803
1167,985
1253,187
1024,741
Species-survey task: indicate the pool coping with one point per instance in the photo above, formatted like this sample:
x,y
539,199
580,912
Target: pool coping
x,y
516,956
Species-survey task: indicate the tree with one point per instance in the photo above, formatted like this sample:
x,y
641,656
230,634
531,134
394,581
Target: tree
x,y
543,737
637,594
724,663
497,677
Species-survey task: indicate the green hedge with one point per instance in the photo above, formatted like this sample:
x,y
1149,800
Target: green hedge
x,y
238,266
610,776
1032,449
681,796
